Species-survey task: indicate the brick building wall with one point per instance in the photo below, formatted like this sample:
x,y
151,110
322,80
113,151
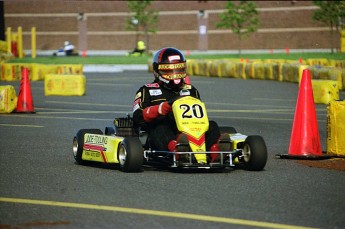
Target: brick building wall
x,y
283,24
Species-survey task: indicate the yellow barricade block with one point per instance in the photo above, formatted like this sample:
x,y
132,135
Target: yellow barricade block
x,y
212,68
325,91
196,67
342,79
66,85
13,71
327,73
269,61
39,71
317,62
189,67
291,72
259,71
74,69
3,46
8,99
203,68
149,65
271,71
337,63
240,70
249,71
232,69
301,68
336,74
229,70
336,128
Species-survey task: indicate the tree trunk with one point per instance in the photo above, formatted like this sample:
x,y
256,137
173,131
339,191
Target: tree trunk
x,y
332,38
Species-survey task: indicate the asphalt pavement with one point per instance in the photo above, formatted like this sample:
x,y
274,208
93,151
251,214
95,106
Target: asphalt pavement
x,y
41,186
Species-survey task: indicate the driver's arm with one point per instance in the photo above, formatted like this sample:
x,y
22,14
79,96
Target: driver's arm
x,y
146,111
152,112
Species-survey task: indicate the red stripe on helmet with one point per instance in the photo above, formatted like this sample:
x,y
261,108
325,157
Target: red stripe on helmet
x,y
161,55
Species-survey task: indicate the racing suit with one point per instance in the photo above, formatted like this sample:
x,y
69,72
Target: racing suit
x,y
69,48
163,129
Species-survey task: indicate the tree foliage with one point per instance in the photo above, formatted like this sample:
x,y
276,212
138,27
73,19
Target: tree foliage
x,y
143,20
242,19
331,13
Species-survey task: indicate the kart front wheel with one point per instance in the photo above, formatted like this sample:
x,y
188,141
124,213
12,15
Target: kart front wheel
x,y
78,143
254,153
130,155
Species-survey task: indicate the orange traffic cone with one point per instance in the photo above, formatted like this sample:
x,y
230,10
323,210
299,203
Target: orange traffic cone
x,y
25,103
305,138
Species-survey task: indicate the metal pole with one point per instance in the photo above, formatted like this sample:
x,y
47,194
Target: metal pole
x,y
202,22
20,42
33,42
9,39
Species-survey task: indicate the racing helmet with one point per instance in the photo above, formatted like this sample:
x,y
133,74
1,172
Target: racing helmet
x,y
169,68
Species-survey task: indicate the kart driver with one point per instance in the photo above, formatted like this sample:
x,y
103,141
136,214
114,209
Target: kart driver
x,y
68,48
151,108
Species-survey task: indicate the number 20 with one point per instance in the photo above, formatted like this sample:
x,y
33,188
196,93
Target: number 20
x,y
194,110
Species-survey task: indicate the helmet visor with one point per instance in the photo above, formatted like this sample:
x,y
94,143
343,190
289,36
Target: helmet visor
x,y
172,71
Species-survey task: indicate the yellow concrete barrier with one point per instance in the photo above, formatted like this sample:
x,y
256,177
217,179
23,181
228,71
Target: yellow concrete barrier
x,y
74,69
292,72
342,79
259,70
8,99
229,70
149,66
66,85
271,71
212,68
203,67
195,67
249,71
3,46
325,91
189,67
337,63
327,73
39,71
317,62
336,128
13,71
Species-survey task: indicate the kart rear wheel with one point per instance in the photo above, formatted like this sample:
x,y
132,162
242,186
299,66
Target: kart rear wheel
x,y
254,153
78,143
130,155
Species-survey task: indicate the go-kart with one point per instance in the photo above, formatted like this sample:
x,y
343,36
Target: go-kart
x,y
130,149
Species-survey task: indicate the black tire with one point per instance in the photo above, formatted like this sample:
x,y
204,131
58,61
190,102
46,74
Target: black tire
x,y
227,129
130,155
254,153
78,143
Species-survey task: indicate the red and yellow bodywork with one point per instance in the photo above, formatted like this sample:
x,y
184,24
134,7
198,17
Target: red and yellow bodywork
x,y
101,148
191,119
